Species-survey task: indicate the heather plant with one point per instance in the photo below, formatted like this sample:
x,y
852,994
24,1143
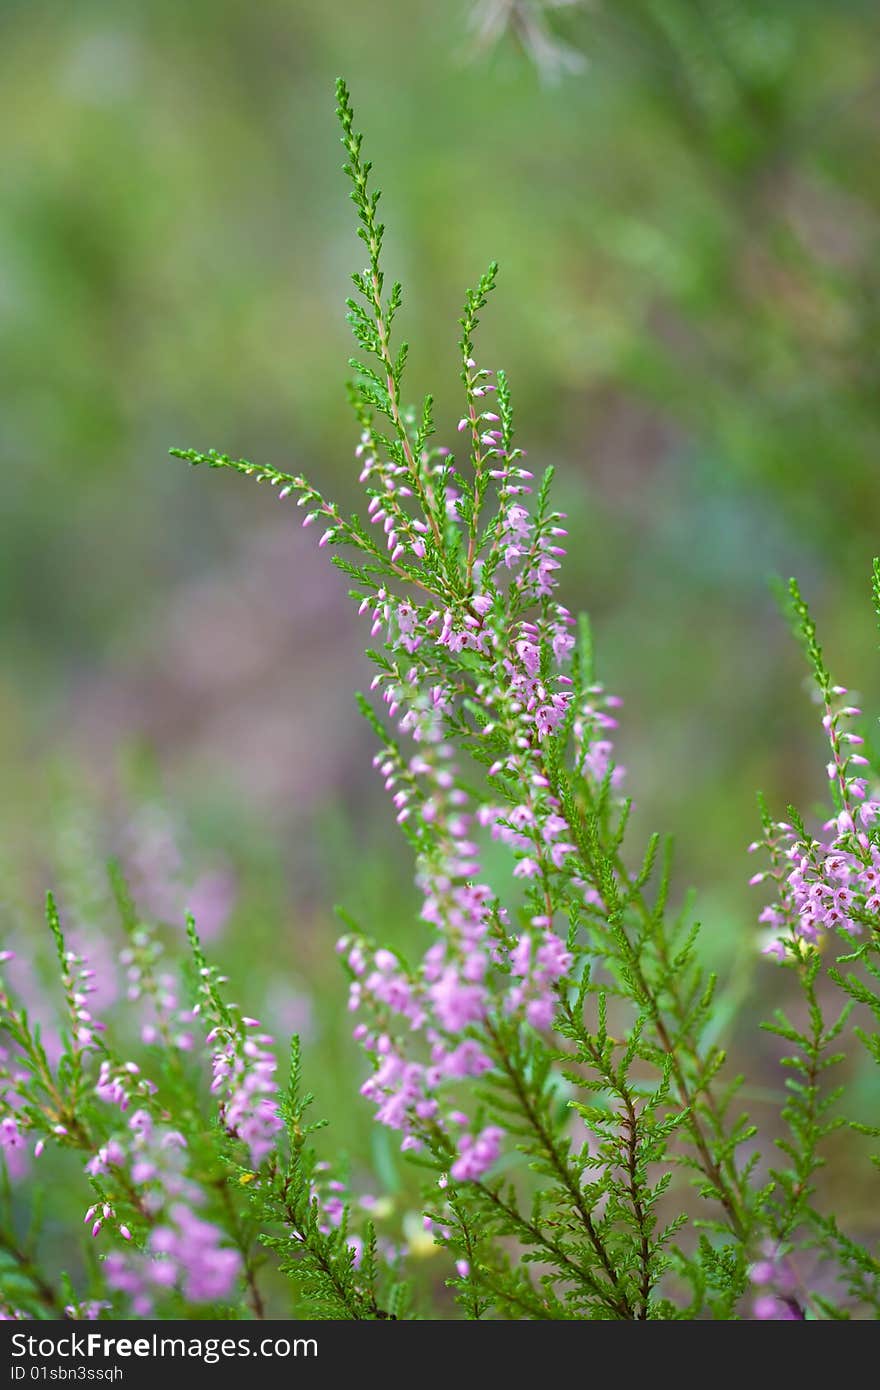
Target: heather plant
x,y
550,1063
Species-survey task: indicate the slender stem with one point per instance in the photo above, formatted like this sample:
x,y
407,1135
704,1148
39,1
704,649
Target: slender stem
x,y
726,1187
478,475
562,1170
558,1252
385,355
505,1294
470,1250
327,1267
237,1231
637,1204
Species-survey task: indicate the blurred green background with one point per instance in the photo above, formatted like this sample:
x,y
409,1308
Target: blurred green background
x,y
684,196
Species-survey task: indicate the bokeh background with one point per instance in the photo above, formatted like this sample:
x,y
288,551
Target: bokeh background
x,y
684,196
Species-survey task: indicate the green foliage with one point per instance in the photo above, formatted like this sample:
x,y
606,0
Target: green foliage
x,y
334,1278
654,1099
631,1187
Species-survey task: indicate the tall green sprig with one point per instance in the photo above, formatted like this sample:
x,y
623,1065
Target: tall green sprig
x,y
595,1221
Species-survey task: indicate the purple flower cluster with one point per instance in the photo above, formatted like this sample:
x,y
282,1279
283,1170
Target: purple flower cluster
x,y
11,1137
147,1162
830,883
151,1155
773,1279
539,967
98,1213
403,534
447,996
163,1019
504,650
147,1191
244,1082
87,1311
477,1153
16,1119
243,1070
183,1253
78,980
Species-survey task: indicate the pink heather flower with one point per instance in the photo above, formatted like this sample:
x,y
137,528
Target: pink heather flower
x,y
526,868
763,1272
456,1004
244,1081
775,949
553,960
774,1277
825,883
89,1311
109,1155
186,1253
112,1087
540,1011
468,1059
768,1307
11,1136
477,1154
520,956
208,1270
